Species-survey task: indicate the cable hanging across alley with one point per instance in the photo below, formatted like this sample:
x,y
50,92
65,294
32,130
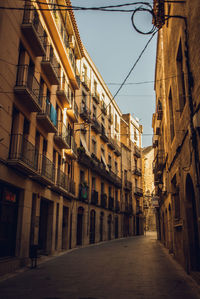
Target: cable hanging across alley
x,y
123,8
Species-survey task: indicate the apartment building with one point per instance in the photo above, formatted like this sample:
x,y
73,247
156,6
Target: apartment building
x,y
98,167
149,209
38,111
62,180
131,137
176,129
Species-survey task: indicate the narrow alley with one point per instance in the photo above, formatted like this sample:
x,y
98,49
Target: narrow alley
x,y
105,270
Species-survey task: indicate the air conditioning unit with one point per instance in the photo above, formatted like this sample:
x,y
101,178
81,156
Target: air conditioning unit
x,y
71,41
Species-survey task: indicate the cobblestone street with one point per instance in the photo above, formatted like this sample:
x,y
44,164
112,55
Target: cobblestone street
x,y
137,267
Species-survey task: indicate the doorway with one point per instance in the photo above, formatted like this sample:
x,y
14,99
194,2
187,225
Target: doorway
x,y
92,227
192,226
79,232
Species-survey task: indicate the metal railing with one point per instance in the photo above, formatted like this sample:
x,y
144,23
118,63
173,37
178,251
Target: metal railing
x,y
65,182
62,131
23,150
47,167
31,17
72,144
51,58
26,79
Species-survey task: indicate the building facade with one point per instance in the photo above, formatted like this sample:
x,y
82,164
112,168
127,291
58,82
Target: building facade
x,y
176,129
148,188
62,179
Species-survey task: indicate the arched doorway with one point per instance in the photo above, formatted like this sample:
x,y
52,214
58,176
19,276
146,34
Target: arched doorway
x,y
192,226
92,226
109,226
116,227
79,232
101,226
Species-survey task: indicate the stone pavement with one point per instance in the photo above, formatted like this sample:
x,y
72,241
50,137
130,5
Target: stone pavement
x,y
136,267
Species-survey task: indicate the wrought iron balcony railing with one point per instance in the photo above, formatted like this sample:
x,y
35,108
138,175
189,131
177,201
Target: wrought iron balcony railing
x,y
61,136
138,191
27,88
51,66
33,30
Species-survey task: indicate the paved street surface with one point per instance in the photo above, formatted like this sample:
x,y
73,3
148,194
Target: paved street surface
x,y
137,267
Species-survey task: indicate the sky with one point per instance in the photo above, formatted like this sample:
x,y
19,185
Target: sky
x,y
114,46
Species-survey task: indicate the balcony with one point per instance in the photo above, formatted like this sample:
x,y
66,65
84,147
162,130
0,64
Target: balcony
x,y
137,151
138,191
111,203
64,183
72,151
61,136
117,149
33,31
62,94
159,113
27,89
159,161
103,135
73,111
103,108
104,200
128,208
85,113
83,158
83,192
111,143
23,154
127,185
46,169
94,197
96,125
117,206
86,82
48,117
51,66
137,171
96,97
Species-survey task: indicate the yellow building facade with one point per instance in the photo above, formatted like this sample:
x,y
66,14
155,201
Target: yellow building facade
x,y
176,130
62,179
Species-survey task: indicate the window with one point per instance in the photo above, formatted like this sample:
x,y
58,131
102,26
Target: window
x,y
136,183
94,146
84,98
93,183
26,127
135,134
94,111
109,161
95,87
102,188
175,198
180,78
82,176
171,116
125,175
116,167
110,191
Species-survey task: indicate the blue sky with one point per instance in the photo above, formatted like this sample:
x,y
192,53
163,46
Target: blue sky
x,y
114,46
